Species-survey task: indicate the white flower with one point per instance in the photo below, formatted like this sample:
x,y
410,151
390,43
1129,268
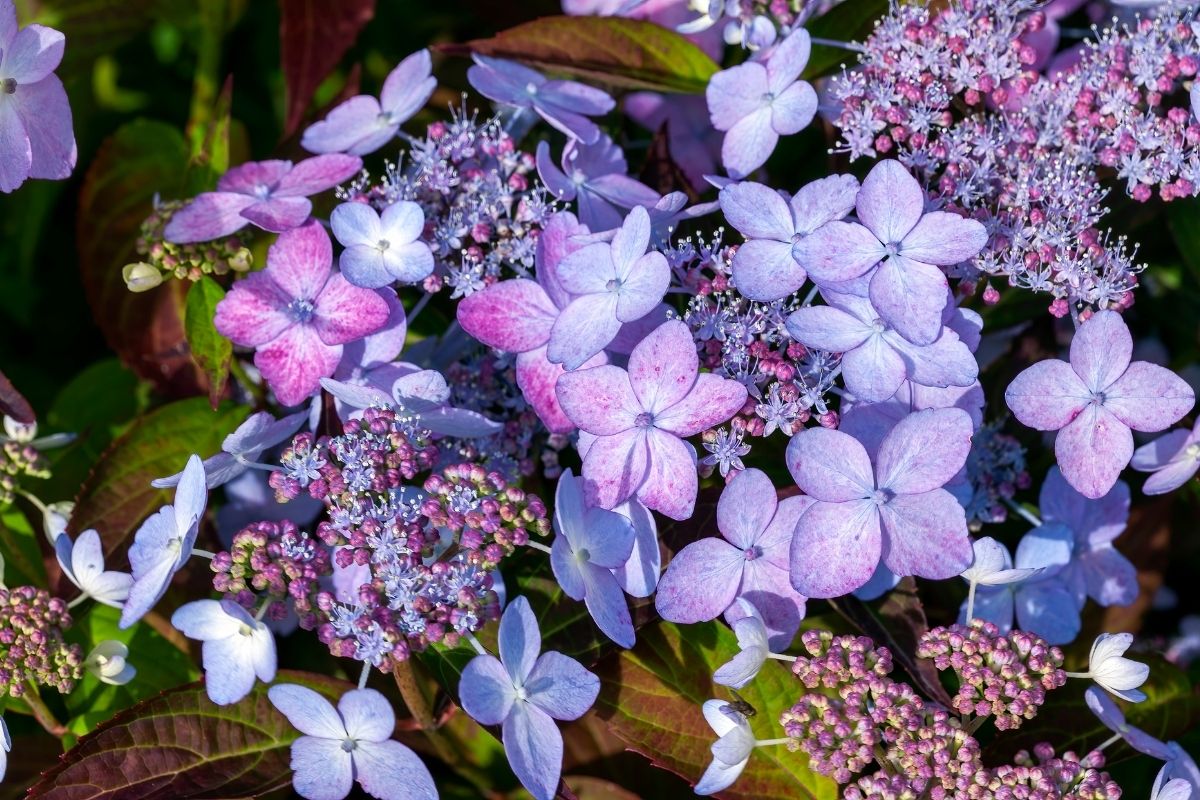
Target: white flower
x,y
992,565
6,744
752,639
236,648
730,752
107,661
55,517
1108,667
82,561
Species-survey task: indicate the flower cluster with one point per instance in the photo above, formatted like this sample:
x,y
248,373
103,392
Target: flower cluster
x,y
163,259
19,460
482,512
32,648
277,559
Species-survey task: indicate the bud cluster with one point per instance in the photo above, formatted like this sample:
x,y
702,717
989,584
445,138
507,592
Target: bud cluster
x,y
164,260
19,460
32,648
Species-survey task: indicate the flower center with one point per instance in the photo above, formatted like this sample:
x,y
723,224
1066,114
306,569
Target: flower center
x,y
644,420
521,693
349,745
613,285
768,98
531,88
1098,398
752,552
583,555
891,249
881,497
301,310
879,326
578,178
383,244
246,630
262,191
8,85
1193,451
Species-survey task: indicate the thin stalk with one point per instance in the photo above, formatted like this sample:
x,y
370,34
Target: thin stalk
x,y
42,713
538,546
1025,514
781,657
853,47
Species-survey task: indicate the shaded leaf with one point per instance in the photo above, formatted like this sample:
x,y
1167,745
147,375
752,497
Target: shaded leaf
x,y
650,698
628,53
210,153
22,552
210,349
117,496
846,22
145,329
98,27
313,37
13,403
180,745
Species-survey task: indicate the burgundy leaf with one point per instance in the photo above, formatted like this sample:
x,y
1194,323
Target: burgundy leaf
x,y
313,37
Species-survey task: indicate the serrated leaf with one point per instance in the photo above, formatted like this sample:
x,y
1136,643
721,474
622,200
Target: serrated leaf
x,y
650,698
210,349
117,496
846,22
313,36
141,159
622,52
180,745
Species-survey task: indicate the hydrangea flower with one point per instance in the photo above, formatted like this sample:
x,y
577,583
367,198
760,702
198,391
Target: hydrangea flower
x,y
382,248
1096,401
36,135
82,561
517,316
1042,604
566,105
424,396
692,140
591,543
594,175
764,268
613,283
1097,569
1166,788
640,416
909,290
1181,766
755,103
298,313
751,562
273,195
1173,458
876,359
237,647
362,124
350,743
638,576
259,432
164,543
892,507
524,693
991,565
1114,673
731,752
109,662
753,648
5,739
1112,718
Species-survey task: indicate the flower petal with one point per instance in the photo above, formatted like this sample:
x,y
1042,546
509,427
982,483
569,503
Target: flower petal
x,y
910,297
711,401
615,467
317,174
838,251
353,126
520,639
1148,397
16,154
294,363
1047,395
836,548
827,328
307,710
321,769
279,213
830,465
924,451
390,771
1092,450
1101,350
535,749
701,581
583,329
300,261
367,714
746,507
794,108
561,687
764,270
486,690
210,215
671,483
925,535
890,202
46,114
757,211
599,399
749,143
944,239
663,367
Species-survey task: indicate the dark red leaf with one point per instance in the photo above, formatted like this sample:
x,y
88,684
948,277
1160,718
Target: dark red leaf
x,y
13,403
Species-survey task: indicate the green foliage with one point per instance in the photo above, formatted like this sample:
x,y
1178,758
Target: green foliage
x,y
210,349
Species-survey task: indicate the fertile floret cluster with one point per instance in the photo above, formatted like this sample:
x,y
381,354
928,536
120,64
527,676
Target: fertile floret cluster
x,y
32,648
164,260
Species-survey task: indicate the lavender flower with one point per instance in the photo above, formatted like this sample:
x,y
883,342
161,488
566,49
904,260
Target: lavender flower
x,y
381,248
566,105
108,661
1109,668
1112,718
753,648
731,752
594,175
237,647
1173,458
82,561
259,432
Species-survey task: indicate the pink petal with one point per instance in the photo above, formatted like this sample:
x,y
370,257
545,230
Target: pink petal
x,y
827,328
254,176
211,215
46,113
599,400
555,244
345,313
890,202
536,377
838,251
924,451
836,548
711,401
300,260
663,367
588,270
1160,452
830,465
1092,450
294,363
1101,350
910,296
554,178
16,155
757,211
352,126
671,484
583,329
947,362
764,270
317,174
746,507
823,200
33,54
1148,397
794,108
701,581
615,467
1047,395
279,214
253,312
513,315
630,242
749,143
873,371
944,238
925,535
1171,477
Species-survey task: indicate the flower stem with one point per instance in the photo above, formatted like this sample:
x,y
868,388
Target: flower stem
x,y
1084,675
1024,513
769,742
971,602
851,46
83,596
781,657
366,673
42,713
538,546
196,551
479,648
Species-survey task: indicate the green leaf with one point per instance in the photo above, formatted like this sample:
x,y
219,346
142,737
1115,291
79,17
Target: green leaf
x,y
627,53
183,746
210,137
847,22
1182,215
210,349
97,27
650,698
117,496
23,565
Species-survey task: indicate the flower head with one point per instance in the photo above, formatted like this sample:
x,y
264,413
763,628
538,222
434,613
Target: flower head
x,y
108,662
753,648
594,175
731,752
757,102
891,507
566,105
36,137
164,543
237,647
298,314
82,561
1096,401
1110,669
272,195
639,416
382,248
363,124
259,432
707,577
524,693
348,743
992,565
